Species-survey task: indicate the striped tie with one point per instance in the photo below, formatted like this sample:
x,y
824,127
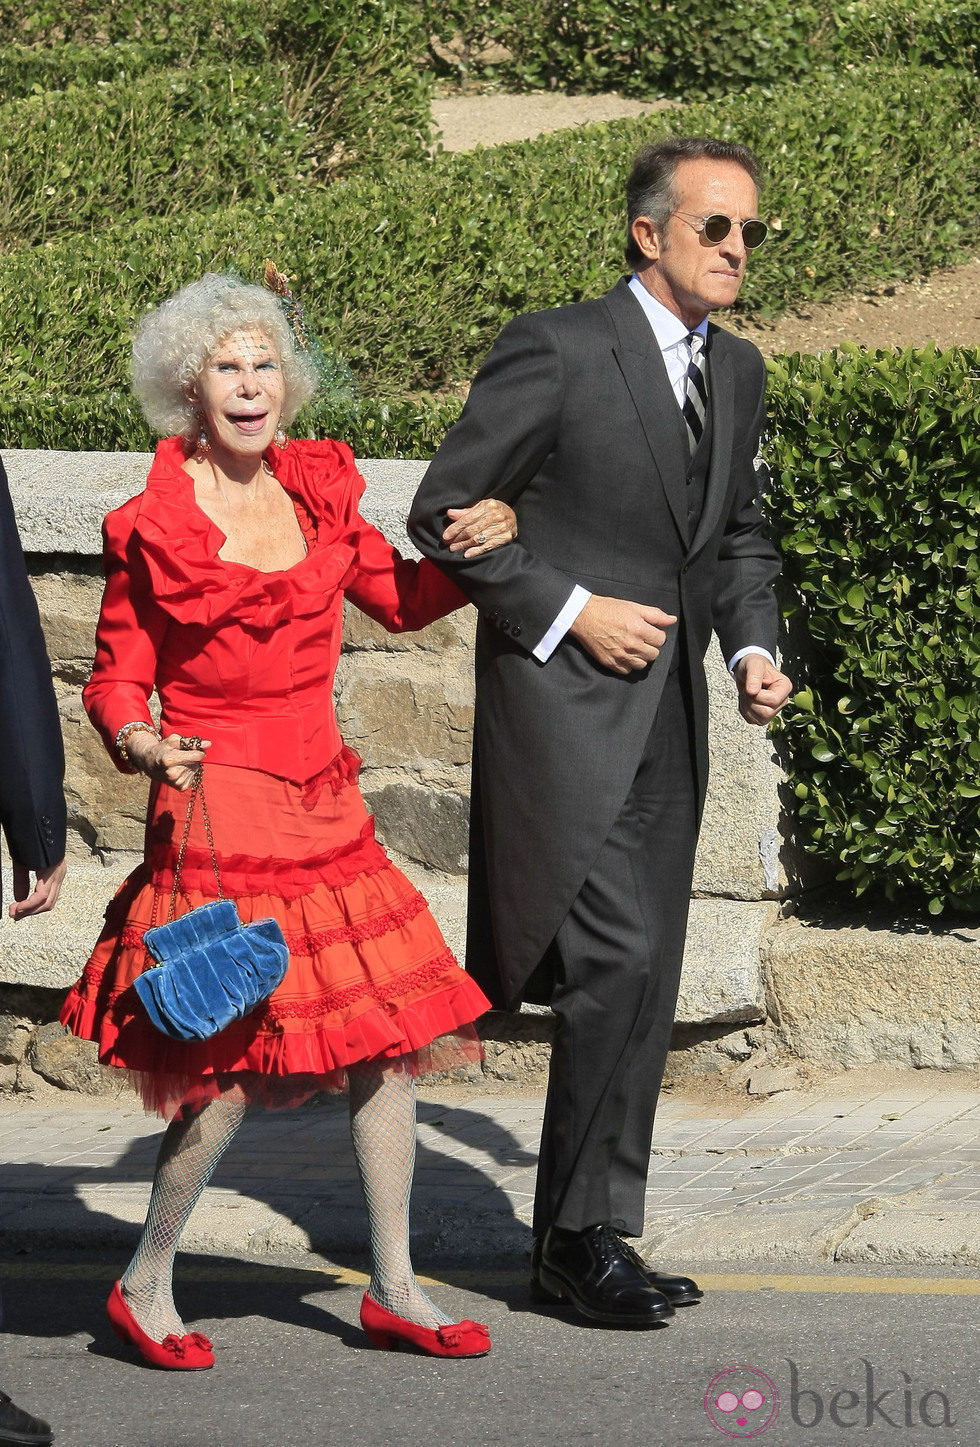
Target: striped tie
x,y
695,391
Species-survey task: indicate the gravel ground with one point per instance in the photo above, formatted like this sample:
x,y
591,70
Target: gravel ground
x,y
943,308
468,121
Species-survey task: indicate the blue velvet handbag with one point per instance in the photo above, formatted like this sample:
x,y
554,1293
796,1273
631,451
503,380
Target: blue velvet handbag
x,y
212,969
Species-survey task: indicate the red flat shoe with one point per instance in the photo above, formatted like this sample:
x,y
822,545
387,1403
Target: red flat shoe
x,y
393,1333
190,1353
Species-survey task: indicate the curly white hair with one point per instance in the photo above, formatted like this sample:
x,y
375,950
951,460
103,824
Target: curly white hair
x,y
174,341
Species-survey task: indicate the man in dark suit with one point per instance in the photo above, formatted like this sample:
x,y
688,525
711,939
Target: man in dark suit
x,y
624,432
32,801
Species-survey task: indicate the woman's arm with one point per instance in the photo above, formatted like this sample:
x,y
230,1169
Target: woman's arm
x,y
127,641
403,595
130,632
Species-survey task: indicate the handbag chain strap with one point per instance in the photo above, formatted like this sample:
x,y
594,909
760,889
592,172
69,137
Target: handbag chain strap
x,y
196,788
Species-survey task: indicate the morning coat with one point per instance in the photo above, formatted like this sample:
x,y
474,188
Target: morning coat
x,y
572,420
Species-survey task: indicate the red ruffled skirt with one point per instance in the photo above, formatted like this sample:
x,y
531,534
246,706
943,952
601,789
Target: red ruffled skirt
x,y
370,976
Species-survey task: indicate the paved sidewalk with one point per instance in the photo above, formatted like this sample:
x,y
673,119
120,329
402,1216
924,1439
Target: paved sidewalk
x,y
876,1169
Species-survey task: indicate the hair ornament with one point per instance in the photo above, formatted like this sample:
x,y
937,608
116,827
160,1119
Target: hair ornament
x,y
278,282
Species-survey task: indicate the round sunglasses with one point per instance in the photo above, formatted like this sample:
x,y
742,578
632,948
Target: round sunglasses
x,y
716,227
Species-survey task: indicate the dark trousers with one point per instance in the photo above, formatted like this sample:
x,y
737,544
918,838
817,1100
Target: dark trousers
x,y
617,962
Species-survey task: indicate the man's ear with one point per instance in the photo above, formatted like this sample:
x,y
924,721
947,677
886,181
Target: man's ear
x,y
647,237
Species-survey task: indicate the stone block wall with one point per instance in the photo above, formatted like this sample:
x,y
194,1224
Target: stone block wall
x,y
752,981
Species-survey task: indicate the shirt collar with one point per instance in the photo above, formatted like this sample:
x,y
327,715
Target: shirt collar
x,y
667,328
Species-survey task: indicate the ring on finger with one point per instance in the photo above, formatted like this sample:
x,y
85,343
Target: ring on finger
x,y
480,538
190,742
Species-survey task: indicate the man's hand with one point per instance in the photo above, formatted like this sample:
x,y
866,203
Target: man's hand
x,y
621,636
43,896
762,689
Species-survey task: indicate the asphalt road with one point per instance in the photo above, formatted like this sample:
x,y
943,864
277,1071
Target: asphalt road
x,y
876,1358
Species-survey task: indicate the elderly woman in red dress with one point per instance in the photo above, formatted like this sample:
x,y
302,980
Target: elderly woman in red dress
x,y
225,583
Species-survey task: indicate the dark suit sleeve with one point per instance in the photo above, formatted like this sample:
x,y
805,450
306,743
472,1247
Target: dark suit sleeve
x,y
507,428
32,759
744,605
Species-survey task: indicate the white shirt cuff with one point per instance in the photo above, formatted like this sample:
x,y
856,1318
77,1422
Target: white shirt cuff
x,y
743,651
576,602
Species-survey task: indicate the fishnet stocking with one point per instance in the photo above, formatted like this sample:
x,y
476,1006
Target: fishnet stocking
x,y
189,1152
382,1125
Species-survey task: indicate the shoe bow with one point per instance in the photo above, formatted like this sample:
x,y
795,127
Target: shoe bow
x,y
178,1345
473,1333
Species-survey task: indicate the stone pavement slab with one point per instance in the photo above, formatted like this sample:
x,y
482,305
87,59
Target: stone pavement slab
x,y
875,1168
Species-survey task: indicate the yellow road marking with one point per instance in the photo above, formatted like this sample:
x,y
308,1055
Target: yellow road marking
x,y
898,1285
319,1277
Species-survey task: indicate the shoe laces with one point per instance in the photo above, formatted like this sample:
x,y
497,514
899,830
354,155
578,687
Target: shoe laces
x,y
608,1243
632,1255
611,1246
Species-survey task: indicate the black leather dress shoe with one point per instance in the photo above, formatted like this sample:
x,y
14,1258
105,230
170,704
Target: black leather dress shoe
x,y
679,1290
21,1429
593,1272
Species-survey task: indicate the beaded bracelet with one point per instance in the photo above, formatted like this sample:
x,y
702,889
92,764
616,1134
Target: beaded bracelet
x,y
131,728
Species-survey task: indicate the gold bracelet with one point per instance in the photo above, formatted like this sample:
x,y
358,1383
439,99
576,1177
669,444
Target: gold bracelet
x,y
124,733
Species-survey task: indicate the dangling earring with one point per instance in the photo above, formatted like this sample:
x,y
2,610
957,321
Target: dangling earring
x,y
280,439
203,446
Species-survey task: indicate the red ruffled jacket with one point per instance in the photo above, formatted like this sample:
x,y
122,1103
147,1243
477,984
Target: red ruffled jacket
x,y
240,657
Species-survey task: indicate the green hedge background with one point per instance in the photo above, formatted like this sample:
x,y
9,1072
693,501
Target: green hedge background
x,y
875,462
411,276
642,47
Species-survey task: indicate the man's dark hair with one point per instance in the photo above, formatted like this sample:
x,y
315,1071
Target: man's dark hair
x,y
650,188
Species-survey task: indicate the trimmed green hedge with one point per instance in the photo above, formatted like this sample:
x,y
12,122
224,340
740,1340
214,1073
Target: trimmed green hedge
x,y
931,32
693,51
165,143
875,459
632,46
30,69
197,25
346,76
872,175
690,51
191,32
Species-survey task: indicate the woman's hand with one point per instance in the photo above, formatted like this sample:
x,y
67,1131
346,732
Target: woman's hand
x,y
170,760
481,528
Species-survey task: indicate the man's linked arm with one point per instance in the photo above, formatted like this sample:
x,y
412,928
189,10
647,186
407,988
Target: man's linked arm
x,y
507,428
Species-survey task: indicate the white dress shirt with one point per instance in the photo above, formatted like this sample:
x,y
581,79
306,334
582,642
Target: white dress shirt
x,y
671,335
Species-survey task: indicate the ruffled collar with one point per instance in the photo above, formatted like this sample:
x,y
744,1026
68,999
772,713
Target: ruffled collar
x,y
180,543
